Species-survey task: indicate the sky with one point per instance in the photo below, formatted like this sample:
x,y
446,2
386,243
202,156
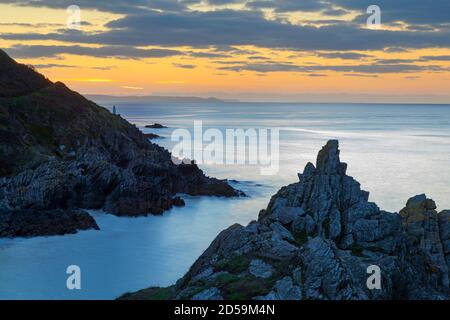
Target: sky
x,y
255,50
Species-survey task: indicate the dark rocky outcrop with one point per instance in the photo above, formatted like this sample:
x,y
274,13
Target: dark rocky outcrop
x,y
59,150
31,223
151,136
155,126
316,240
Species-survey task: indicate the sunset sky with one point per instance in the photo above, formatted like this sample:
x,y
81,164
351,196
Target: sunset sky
x,y
285,50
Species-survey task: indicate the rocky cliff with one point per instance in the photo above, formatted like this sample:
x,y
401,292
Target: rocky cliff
x,y
316,240
60,151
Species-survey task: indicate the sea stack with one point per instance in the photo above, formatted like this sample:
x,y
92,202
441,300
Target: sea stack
x,y
155,126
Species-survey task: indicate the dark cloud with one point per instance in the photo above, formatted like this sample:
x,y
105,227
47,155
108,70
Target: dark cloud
x,y
167,23
208,55
185,66
343,55
234,28
395,50
233,50
233,62
37,51
258,58
360,75
361,69
223,2
116,6
435,58
290,5
264,67
335,12
53,65
396,61
417,27
58,65
410,11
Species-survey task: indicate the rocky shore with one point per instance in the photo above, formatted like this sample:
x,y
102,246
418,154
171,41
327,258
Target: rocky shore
x,y
317,239
151,136
30,223
60,151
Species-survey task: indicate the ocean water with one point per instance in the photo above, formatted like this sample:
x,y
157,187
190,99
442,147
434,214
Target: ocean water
x,y
394,151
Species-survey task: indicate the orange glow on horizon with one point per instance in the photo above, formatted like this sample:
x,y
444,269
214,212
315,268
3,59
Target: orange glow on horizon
x,y
209,76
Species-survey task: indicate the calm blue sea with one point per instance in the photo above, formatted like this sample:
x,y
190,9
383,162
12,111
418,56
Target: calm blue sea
x,y
394,151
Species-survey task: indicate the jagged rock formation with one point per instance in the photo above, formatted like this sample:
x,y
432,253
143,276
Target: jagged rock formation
x,y
316,240
59,150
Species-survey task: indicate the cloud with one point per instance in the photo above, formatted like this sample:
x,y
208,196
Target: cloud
x,y
258,58
230,62
238,28
57,65
104,68
264,67
223,2
435,58
53,65
396,61
184,66
395,50
116,6
410,11
335,12
361,69
37,51
360,75
220,33
208,55
289,5
343,55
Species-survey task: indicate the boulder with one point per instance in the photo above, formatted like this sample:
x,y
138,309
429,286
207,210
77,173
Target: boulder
x,y
260,269
208,294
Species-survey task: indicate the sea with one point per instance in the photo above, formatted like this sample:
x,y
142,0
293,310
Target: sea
x,y
394,151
